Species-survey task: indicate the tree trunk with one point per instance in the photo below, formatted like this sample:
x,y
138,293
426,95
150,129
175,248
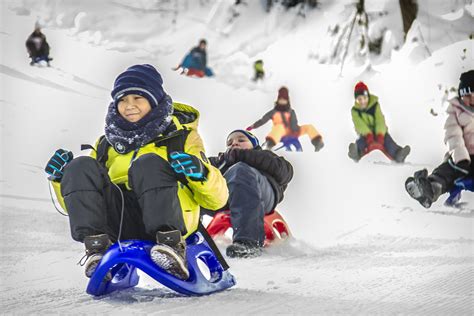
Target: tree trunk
x,y
409,10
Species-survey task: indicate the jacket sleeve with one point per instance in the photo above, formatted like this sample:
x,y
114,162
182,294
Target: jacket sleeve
x,y
267,161
380,125
360,126
57,190
213,193
216,161
29,45
264,119
454,137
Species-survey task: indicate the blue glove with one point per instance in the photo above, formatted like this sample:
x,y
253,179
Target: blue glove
x,y
56,164
189,165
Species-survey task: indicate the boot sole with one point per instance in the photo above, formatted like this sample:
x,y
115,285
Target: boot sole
x,y
413,188
352,153
403,155
91,266
234,253
167,259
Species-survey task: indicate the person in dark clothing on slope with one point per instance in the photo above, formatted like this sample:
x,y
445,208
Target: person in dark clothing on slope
x,y
257,180
37,46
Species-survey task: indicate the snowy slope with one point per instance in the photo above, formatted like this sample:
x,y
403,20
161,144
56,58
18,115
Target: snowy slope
x,y
362,245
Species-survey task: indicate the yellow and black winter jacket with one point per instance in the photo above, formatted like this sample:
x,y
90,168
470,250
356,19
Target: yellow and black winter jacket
x,y
211,194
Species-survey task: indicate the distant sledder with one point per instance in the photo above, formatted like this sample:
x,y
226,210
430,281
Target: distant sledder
x,y
194,63
456,173
259,72
285,125
38,48
256,180
369,124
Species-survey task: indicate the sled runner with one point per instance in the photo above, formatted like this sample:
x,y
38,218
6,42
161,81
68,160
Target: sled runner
x,y
275,226
463,184
123,261
290,143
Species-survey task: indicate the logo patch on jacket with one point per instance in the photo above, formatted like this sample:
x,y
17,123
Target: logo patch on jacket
x,y
119,147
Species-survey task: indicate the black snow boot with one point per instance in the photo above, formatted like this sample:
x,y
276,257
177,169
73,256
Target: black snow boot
x,y
354,152
422,189
244,249
402,154
268,144
170,253
317,143
96,246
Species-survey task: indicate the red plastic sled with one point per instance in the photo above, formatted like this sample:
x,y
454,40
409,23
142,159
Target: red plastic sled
x,y
275,226
191,72
377,146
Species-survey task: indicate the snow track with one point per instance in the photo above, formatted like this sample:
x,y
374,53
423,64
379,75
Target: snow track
x,y
361,246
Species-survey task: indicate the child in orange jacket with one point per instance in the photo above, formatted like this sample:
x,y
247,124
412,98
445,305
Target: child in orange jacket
x,y
285,123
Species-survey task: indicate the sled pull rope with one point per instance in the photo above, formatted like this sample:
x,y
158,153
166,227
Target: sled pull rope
x,y
52,199
121,217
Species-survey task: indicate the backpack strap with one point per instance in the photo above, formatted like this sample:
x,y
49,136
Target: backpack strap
x,y
102,150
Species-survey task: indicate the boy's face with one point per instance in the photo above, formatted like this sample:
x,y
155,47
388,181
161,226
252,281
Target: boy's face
x,y
202,46
362,100
133,107
282,101
239,141
468,99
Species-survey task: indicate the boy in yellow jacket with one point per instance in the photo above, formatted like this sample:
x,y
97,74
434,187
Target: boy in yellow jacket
x,y
146,179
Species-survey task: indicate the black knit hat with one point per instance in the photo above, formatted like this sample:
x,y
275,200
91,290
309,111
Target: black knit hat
x,y
466,84
143,80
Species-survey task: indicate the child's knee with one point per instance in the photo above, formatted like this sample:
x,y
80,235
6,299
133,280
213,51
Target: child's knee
x,y
240,173
148,162
150,171
81,166
83,173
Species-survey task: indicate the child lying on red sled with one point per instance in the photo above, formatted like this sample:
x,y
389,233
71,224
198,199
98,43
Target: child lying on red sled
x,y
256,180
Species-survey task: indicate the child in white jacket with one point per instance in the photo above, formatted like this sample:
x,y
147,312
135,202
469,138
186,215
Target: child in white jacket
x,y
459,137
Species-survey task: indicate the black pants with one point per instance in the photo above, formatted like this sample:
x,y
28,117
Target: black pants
x,y
251,197
94,203
446,174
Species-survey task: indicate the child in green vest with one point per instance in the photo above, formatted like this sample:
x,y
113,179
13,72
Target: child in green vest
x,y
259,72
369,124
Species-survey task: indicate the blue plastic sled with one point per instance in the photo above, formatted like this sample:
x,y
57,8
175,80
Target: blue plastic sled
x,y
463,184
135,254
290,143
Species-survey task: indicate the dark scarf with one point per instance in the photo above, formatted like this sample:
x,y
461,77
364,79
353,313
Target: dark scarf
x,y
126,136
282,108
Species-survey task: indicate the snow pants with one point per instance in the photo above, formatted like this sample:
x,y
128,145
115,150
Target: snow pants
x,y
279,130
95,204
251,197
446,174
